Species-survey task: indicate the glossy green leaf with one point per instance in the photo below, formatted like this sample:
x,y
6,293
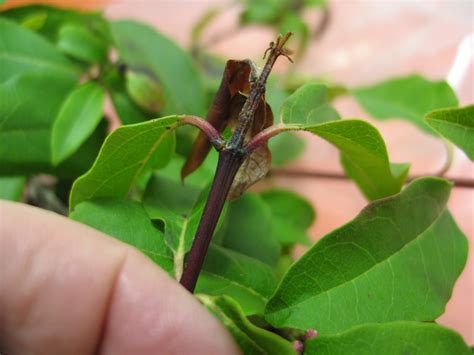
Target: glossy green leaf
x,y
254,237
11,187
308,105
456,125
80,43
145,92
247,280
250,338
285,147
127,221
81,160
291,214
144,49
363,156
27,118
397,260
24,51
80,114
123,157
180,208
390,339
409,98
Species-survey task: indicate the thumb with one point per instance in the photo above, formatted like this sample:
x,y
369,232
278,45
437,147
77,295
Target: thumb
x,y
68,289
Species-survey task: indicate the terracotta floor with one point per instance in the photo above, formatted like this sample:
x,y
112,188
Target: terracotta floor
x,y
365,42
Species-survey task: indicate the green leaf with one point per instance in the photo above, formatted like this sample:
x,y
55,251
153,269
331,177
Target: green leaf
x,y
28,106
35,21
80,114
180,208
55,18
397,260
409,98
250,339
363,156
80,43
457,125
127,110
391,338
254,237
144,49
292,215
11,187
123,157
127,221
145,92
24,51
308,105
285,147
229,273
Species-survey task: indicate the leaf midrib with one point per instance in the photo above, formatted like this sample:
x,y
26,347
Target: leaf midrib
x,y
414,240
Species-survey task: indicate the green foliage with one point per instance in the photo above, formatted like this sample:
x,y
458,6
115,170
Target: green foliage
x,y
26,52
254,238
233,274
250,338
408,98
180,210
291,216
457,125
48,21
363,156
144,49
145,92
361,287
11,187
363,152
80,43
78,117
390,338
108,215
392,262
308,105
122,158
28,118
285,147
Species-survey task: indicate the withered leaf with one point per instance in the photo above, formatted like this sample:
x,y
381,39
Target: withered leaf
x,y
235,79
224,112
258,163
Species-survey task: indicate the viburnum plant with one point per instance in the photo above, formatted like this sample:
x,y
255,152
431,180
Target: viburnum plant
x,y
375,285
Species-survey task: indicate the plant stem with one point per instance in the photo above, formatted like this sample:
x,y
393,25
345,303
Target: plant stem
x,y
227,166
231,157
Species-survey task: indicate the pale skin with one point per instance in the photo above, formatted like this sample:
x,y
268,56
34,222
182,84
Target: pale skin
x,y
66,288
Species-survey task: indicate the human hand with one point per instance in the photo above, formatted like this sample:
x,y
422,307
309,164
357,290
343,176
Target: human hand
x,y
68,289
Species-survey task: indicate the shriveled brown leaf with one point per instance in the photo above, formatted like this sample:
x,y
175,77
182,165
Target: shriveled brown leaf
x,y
256,166
253,169
235,79
224,112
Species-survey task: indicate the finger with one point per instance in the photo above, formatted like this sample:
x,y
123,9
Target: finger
x,y
68,289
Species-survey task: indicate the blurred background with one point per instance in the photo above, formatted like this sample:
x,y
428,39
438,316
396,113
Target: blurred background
x,y
353,43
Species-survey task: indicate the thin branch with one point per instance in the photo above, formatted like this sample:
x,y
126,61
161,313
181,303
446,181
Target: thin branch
x,y
231,156
247,113
458,182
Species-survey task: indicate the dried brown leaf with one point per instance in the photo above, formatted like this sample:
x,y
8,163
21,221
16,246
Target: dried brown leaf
x,y
235,79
